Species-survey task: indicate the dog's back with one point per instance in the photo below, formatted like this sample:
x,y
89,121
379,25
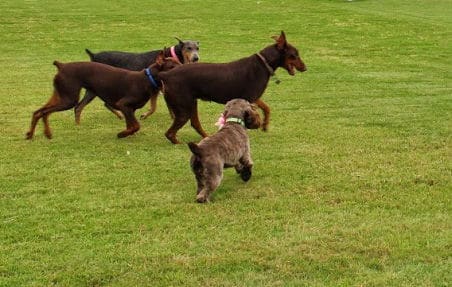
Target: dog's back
x,y
125,60
221,82
97,77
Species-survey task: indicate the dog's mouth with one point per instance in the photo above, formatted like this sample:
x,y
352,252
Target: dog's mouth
x,y
299,67
291,69
193,58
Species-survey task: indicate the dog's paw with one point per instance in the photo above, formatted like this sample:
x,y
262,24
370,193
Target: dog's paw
x,y
201,199
245,174
123,134
28,135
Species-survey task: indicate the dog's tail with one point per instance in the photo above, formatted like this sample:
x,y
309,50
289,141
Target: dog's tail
x,y
90,54
194,149
196,162
58,64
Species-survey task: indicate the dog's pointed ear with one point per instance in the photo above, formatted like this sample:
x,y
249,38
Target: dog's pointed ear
x,y
180,41
160,57
281,41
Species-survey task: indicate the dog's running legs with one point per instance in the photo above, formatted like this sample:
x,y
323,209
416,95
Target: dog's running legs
x,y
131,122
34,121
245,165
89,96
178,122
266,109
212,181
194,120
180,119
152,107
115,112
55,104
47,131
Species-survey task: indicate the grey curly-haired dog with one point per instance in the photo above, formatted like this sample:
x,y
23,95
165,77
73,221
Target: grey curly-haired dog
x,y
229,147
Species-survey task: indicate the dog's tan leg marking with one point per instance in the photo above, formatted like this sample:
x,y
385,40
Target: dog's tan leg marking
x,y
152,108
194,120
266,109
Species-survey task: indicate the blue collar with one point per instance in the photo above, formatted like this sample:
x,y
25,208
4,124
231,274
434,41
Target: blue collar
x,y
151,79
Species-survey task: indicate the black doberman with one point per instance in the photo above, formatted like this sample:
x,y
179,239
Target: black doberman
x,y
184,52
246,78
120,88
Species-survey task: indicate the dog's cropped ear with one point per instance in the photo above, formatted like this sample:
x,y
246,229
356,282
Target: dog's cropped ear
x,y
281,40
160,57
180,41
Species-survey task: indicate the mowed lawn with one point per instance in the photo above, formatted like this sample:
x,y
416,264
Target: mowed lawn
x,y
351,185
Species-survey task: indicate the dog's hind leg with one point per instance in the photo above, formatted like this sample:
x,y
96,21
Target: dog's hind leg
x,y
212,181
178,123
266,109
194,120
56,103
47,131
152,107
34,121
115,112
89,96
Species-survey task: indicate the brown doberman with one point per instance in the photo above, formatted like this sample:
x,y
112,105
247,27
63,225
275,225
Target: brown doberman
x,y
184,52
122,89
246,78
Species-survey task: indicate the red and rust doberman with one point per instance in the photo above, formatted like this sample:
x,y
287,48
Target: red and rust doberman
x,y
246,78
184,52
122,89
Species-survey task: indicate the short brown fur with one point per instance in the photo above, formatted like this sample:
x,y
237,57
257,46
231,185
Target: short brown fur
x,y
229,147
122,89
246,78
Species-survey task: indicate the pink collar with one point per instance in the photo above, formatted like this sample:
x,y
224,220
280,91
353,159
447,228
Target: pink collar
x,y
173,54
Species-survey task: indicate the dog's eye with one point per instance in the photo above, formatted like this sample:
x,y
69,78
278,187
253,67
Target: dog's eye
x,y
189,48
292,57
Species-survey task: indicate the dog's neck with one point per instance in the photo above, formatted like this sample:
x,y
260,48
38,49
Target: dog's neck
x,y
270,69
174,54
154,82
235,120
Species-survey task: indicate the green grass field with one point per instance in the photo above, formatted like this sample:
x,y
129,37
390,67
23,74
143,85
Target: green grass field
x,y
351,185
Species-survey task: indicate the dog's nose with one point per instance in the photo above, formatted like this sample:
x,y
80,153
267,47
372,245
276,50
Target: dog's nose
x,y
195,58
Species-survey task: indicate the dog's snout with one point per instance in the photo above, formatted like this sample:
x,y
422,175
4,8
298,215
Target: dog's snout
x,y
195,58
302,68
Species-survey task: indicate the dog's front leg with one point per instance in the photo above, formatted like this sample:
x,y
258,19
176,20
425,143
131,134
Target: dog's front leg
x,y
246,164
131,122
152,107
